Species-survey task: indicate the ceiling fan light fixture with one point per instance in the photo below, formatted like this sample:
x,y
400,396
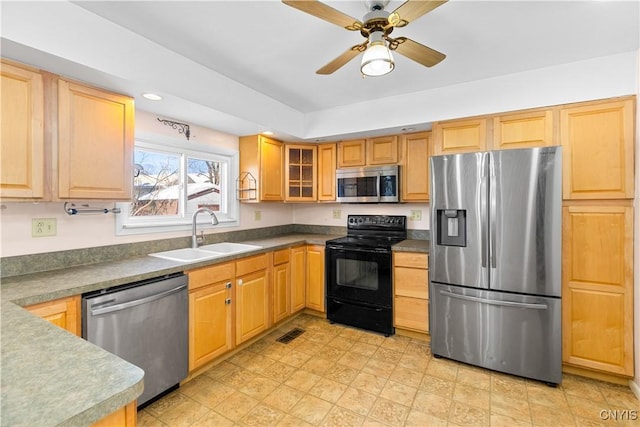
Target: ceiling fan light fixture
x,y
377,59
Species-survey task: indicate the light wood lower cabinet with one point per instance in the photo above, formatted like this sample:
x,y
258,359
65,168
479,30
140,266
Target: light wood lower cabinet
x,y
252,300
281,285
64,312
315,278
411,291
127,416
210,314
298,278
597,294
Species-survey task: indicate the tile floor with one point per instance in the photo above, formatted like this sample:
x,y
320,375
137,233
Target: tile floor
x,y
333,375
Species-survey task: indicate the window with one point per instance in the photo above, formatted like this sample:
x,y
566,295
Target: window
x,y
171,181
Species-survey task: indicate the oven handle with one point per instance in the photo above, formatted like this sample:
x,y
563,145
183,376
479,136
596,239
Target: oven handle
x,y
353,249
341,303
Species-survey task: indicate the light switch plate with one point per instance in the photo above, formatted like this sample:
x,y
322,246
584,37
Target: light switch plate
x,y
257,215
43,227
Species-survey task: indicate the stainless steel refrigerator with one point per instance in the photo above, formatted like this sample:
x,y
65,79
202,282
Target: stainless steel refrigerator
x,y
495,260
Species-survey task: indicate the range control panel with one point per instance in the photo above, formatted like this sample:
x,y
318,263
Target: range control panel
x,y
377,222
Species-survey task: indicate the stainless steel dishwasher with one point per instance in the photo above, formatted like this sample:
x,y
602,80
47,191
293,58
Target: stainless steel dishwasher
x,y
144,323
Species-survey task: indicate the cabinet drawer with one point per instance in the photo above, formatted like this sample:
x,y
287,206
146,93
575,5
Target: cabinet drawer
x,y
281,256
207,275
251,264
411,282
411,259
411,313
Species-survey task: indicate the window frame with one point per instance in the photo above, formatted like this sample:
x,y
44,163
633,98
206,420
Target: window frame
x,y
128,225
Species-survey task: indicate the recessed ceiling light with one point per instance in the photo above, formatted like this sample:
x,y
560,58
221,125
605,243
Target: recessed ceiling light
x,y
151,96
266,132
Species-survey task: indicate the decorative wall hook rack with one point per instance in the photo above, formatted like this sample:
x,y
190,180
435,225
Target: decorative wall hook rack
x,y
86,209
181,127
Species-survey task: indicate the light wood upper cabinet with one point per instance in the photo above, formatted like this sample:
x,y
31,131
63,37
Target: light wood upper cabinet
x,y
352,153
210,314
22,147
327,164
382,150
64,312
415,167
368,152
264,158
597,294
460,136
301,173
598,145
411,291
298,278
315,278
523,130
95,143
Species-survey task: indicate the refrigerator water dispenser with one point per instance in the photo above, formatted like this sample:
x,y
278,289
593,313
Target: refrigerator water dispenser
x,y
452,227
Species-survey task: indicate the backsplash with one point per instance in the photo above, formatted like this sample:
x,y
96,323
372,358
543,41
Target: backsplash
x,y
24,264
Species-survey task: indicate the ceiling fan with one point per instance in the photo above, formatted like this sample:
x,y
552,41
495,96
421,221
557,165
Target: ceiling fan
x,y
376,26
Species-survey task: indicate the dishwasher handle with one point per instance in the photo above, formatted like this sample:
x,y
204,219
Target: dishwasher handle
x,y
117,307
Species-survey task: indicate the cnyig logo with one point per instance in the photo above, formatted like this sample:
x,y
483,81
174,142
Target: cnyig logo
x,y
619,414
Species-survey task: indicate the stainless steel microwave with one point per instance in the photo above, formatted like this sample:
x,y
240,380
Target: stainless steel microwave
x,y
375,184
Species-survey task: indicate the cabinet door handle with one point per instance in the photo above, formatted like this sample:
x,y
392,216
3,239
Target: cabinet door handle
x,y
228,285
239,282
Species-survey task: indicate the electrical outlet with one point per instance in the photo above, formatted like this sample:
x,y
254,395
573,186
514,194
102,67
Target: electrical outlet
x,y
257,215
336,214
42,227
416,215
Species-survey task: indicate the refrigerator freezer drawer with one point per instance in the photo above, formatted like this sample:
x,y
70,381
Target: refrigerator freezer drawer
x,y
516,334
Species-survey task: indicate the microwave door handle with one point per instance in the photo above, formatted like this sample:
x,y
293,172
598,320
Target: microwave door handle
x,y
378,190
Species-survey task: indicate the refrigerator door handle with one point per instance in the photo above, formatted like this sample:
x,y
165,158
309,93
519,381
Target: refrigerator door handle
x,y
495,302
483,228
492,212
483,214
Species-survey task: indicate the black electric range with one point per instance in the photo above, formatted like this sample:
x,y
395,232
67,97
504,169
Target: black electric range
x,y
358,270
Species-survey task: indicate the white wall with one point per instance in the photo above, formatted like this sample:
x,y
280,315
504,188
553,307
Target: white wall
x,y
82,231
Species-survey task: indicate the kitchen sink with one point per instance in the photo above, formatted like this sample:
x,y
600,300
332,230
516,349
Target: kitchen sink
x,y
229,247
205,252
187,255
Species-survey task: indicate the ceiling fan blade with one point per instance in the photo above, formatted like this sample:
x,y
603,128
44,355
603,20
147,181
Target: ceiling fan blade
x,y
412,10
322,11
413,50
346,56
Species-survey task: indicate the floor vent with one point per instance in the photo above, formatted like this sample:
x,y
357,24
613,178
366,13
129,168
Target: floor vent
x,y
290,336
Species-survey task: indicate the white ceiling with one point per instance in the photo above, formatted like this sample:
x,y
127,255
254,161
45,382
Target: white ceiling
x,y
258,58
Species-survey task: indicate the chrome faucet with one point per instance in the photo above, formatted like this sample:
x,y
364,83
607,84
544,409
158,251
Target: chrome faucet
x,y
195,239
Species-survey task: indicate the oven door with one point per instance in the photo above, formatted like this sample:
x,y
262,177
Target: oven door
x,y
360,275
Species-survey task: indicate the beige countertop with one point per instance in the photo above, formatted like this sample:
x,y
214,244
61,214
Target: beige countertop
x,y
51,377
